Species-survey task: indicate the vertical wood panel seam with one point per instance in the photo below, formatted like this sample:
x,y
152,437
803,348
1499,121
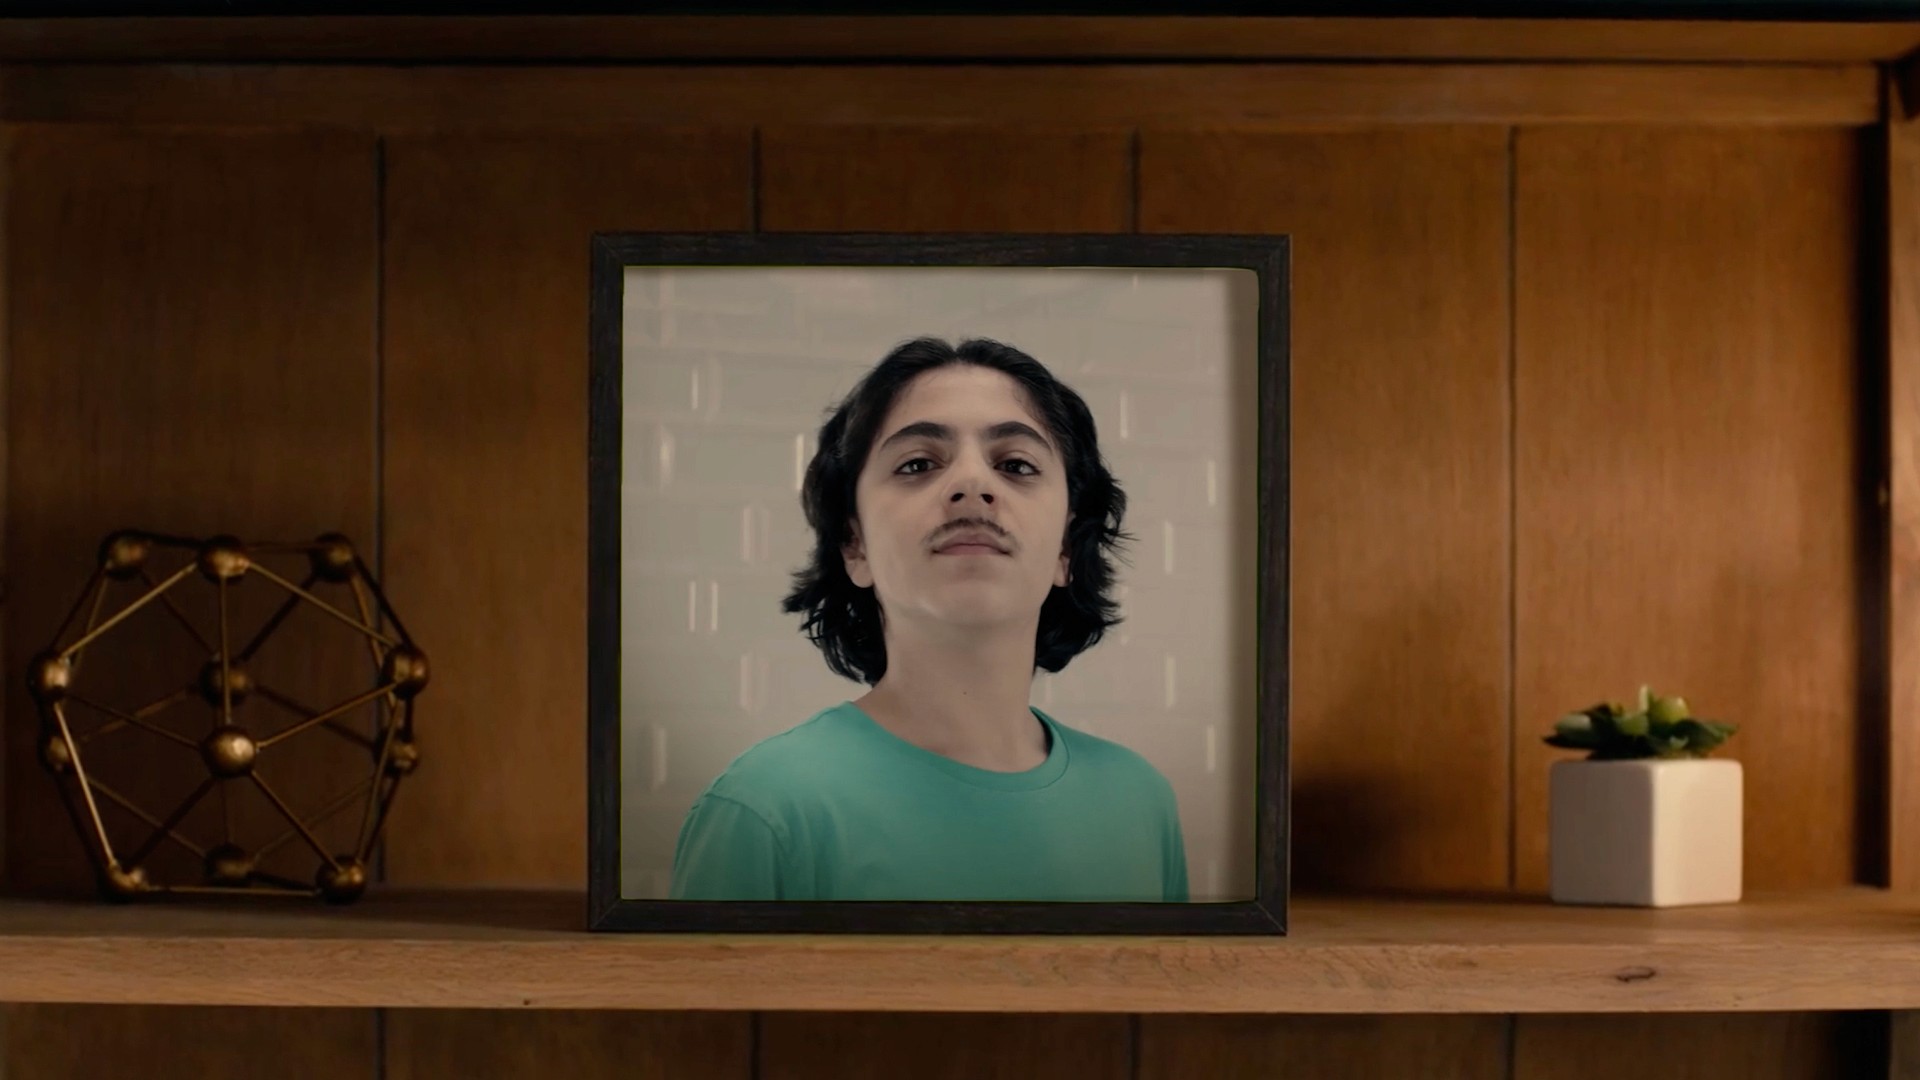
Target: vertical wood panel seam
x,y
1133,180
1900,521
1512,1022
380,401
8,134
753,1045
1876,850
380,479
1133,1046
1513,505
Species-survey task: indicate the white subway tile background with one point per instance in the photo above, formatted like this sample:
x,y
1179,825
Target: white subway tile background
x,y
728,374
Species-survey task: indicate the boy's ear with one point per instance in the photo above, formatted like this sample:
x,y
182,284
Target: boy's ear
x,y
854,554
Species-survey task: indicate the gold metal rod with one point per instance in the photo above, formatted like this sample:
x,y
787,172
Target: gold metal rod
x,y
366,616
360,834
122,614
260,782
323,605
165,703
373,647
347,733
167,827
73,814
318,718
282,700
272,624
107,728
128,718
226,679
380,598
281,887
95,586
86,789
319,817
227,815
301,711
375,793
93,616
127,804
380,822
178,615
288,884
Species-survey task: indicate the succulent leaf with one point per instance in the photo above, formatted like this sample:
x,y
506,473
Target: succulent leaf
x,y
1661,727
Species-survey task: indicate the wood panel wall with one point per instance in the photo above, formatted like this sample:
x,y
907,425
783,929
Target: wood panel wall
x,y
1575,407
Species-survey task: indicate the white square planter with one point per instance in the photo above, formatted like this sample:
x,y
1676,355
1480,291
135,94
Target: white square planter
x,y
1649,833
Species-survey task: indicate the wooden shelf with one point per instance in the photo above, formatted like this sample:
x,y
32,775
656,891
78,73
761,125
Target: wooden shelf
x,y
1849,949
621,38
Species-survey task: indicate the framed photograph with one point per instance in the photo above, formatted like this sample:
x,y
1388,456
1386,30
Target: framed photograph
x,y
938,583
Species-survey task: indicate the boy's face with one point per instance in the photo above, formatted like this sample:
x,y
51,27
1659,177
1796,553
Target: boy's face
x,y
995,470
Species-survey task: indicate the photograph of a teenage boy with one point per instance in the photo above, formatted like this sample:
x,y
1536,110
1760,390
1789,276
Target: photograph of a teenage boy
x,y
963,519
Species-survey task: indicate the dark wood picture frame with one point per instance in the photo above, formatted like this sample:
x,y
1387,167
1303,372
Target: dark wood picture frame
x,y
611,254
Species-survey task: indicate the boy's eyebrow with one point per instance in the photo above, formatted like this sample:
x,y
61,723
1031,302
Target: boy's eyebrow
x,y
1005,429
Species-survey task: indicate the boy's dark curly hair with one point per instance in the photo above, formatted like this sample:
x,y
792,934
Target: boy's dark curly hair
x,y
844,619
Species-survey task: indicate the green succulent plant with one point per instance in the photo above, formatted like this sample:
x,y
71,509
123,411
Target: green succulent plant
x,y
1660,727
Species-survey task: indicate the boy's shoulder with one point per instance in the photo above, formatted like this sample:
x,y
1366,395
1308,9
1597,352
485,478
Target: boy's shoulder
x,y
799,759
1090,751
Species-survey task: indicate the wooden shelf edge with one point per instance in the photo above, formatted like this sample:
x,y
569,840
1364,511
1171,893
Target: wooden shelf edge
x,y
1853,949
695,38
403,100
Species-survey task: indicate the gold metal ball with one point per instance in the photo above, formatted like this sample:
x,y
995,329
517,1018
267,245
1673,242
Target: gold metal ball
x,y
342,883
406,669
228,865
55,754
49,677
121,883
333,558
403,758
229,751
237,681
224,558
123,553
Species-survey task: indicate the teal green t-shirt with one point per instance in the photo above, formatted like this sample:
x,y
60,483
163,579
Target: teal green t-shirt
x,y
840,808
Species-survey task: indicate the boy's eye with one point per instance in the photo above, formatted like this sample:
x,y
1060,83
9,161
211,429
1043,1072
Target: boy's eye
x,y
1027,467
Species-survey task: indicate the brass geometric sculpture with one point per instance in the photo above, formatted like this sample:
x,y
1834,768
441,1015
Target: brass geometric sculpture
x,y
229,751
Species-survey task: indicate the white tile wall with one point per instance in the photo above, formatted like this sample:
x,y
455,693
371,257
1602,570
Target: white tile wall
x,y
729,373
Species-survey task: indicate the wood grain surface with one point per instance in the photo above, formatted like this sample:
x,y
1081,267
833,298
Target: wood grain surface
x,y
395,98
431,1044
1796,1046
1903,502
1687,513
941,1046
86,1042
1399,477
485,499
191,350
488,949
484,423
906,178
607,38
1324,1047
190,337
